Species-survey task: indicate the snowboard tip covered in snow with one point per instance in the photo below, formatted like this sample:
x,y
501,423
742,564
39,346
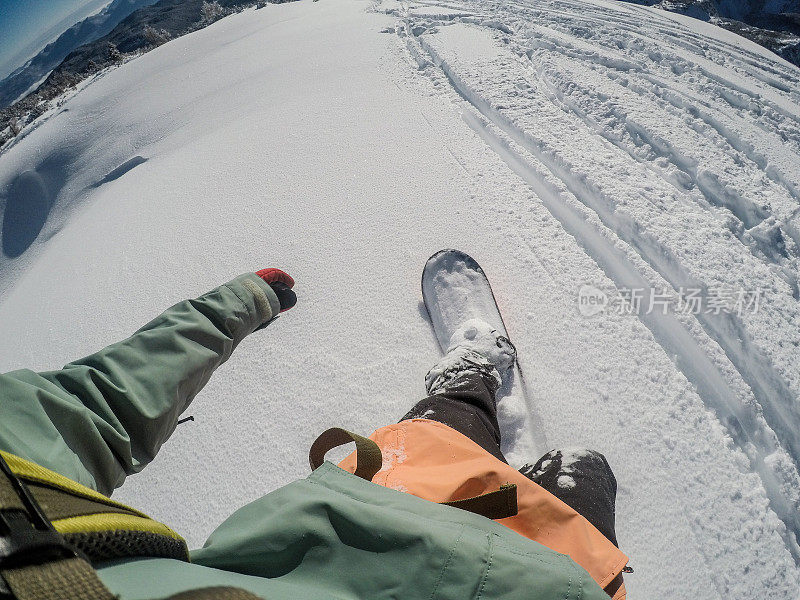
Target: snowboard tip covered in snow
x,y
456,289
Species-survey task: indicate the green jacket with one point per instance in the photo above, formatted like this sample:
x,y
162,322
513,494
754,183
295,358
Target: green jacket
x,y
331,535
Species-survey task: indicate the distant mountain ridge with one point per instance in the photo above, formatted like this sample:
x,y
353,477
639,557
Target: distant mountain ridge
x,y
141,30
148,27
85,31
774,24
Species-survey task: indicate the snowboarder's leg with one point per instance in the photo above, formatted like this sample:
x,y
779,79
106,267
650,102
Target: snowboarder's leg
x,y
581,479
467,405
464,384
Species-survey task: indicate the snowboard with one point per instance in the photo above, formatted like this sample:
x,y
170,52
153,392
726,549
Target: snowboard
x,y
455,289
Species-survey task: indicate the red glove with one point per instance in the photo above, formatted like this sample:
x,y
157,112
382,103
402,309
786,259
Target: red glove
x,y
282,285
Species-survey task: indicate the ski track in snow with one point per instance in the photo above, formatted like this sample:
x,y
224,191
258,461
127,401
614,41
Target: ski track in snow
x,y
667,150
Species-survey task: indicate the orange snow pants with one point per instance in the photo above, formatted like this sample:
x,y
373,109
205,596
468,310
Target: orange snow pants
x,y
433,461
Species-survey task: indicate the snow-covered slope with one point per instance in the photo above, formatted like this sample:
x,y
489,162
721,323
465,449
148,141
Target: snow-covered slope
x,y
576,148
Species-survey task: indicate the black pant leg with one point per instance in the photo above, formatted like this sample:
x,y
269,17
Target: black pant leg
x,y
582,480
468,406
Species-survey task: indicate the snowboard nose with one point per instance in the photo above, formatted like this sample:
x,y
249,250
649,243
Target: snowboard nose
x,y
455,289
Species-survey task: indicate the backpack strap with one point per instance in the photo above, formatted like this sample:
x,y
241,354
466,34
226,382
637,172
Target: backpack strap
x,y
369,459
71,578
98,527
53,528
498,504
36,562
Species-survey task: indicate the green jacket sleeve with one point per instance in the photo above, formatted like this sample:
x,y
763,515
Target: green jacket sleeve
x,y
105,416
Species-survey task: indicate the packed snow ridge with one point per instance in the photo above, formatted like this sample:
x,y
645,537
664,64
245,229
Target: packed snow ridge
x,y
628,178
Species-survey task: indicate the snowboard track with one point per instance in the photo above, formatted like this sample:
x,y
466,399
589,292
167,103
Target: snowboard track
x,y
716,193
726,89
759,429
680,104
625,72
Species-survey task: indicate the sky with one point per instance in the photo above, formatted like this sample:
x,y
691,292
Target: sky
x,y
26,26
